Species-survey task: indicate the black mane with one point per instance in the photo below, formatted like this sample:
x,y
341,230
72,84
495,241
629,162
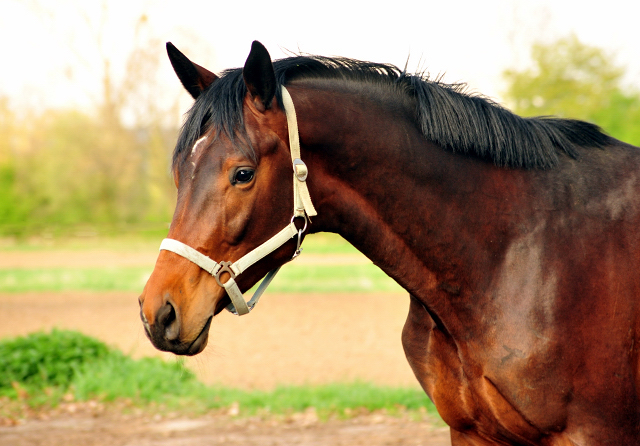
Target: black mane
x,y
446,114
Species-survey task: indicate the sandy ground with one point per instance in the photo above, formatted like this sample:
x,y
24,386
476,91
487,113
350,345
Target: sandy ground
x,y
288,339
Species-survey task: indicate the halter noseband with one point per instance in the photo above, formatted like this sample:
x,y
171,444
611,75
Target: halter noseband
x,y
302,207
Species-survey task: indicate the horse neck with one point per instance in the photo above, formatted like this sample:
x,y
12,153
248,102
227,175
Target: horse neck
x,y
409,206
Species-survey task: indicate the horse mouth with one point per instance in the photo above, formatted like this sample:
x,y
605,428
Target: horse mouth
x,y
201,341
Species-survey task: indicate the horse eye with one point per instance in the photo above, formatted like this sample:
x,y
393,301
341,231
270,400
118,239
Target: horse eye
x,y
243,176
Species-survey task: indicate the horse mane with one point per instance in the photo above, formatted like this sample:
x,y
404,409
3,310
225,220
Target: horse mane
x,y
445,113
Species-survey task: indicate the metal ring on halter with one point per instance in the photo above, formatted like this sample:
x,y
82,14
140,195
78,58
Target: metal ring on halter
x,y
306,220
225,267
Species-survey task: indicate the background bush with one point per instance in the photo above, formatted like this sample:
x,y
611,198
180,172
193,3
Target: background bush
x,y
67,170
45,360
68,361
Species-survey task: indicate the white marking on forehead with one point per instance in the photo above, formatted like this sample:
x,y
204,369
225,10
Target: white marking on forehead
x,y
197,143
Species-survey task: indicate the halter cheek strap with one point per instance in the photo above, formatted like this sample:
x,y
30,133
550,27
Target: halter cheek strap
x,y
302,207
301,199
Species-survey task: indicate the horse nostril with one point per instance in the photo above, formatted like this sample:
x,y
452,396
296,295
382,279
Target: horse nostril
x,y
167,319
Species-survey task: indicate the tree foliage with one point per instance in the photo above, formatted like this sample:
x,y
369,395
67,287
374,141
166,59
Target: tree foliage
x,y
66,169
573,80
101,169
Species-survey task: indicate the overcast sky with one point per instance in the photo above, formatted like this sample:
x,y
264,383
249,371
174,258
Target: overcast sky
x,y
52,51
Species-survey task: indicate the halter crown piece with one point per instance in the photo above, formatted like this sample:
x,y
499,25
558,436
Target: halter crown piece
x,y
302,207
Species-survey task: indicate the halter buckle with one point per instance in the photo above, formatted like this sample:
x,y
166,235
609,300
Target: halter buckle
x,y
225,267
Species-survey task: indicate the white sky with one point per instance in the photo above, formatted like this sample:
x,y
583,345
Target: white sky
x,y
51,55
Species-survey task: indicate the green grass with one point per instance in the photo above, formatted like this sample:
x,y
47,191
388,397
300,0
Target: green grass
x,y
73,279
43,369
359,278
292,278
85,242
327,243
322,243
40,359
338,398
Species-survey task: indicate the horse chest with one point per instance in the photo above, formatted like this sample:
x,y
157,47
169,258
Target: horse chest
x,y
503,395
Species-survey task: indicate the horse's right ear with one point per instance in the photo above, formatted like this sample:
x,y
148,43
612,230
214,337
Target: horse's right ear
x,y
259,76
193,77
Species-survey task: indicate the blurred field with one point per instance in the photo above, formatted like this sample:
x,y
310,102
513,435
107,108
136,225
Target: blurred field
x,y
291,338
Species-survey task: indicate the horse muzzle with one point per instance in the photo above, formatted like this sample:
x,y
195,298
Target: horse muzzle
x,y
164,329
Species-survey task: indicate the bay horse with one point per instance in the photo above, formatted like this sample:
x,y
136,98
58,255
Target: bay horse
x,y
517,239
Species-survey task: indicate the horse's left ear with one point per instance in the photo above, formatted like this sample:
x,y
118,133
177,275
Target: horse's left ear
x,y
259,76
194,78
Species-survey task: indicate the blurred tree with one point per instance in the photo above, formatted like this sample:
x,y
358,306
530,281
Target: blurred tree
x,y
6,123
574,80
60,169
8,212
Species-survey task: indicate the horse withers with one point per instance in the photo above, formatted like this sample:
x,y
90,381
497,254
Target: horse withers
x,y
516,238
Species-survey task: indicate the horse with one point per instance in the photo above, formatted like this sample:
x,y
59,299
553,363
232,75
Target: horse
x,y
516,238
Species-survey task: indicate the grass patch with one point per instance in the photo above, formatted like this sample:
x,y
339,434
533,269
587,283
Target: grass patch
x,y
89,241
43,369
359,278
339,399
16,280
293,278
327,243
43,365
40,360
321,243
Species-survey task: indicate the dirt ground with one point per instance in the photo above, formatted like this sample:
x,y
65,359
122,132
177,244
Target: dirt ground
x,y
288,339
74,425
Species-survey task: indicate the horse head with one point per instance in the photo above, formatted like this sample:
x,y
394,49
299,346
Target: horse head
x,y
234,195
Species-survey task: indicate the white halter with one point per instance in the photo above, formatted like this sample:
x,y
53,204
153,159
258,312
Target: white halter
x,y
302,207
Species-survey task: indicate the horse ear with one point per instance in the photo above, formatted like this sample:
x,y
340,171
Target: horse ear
x,y
192,76
259,76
